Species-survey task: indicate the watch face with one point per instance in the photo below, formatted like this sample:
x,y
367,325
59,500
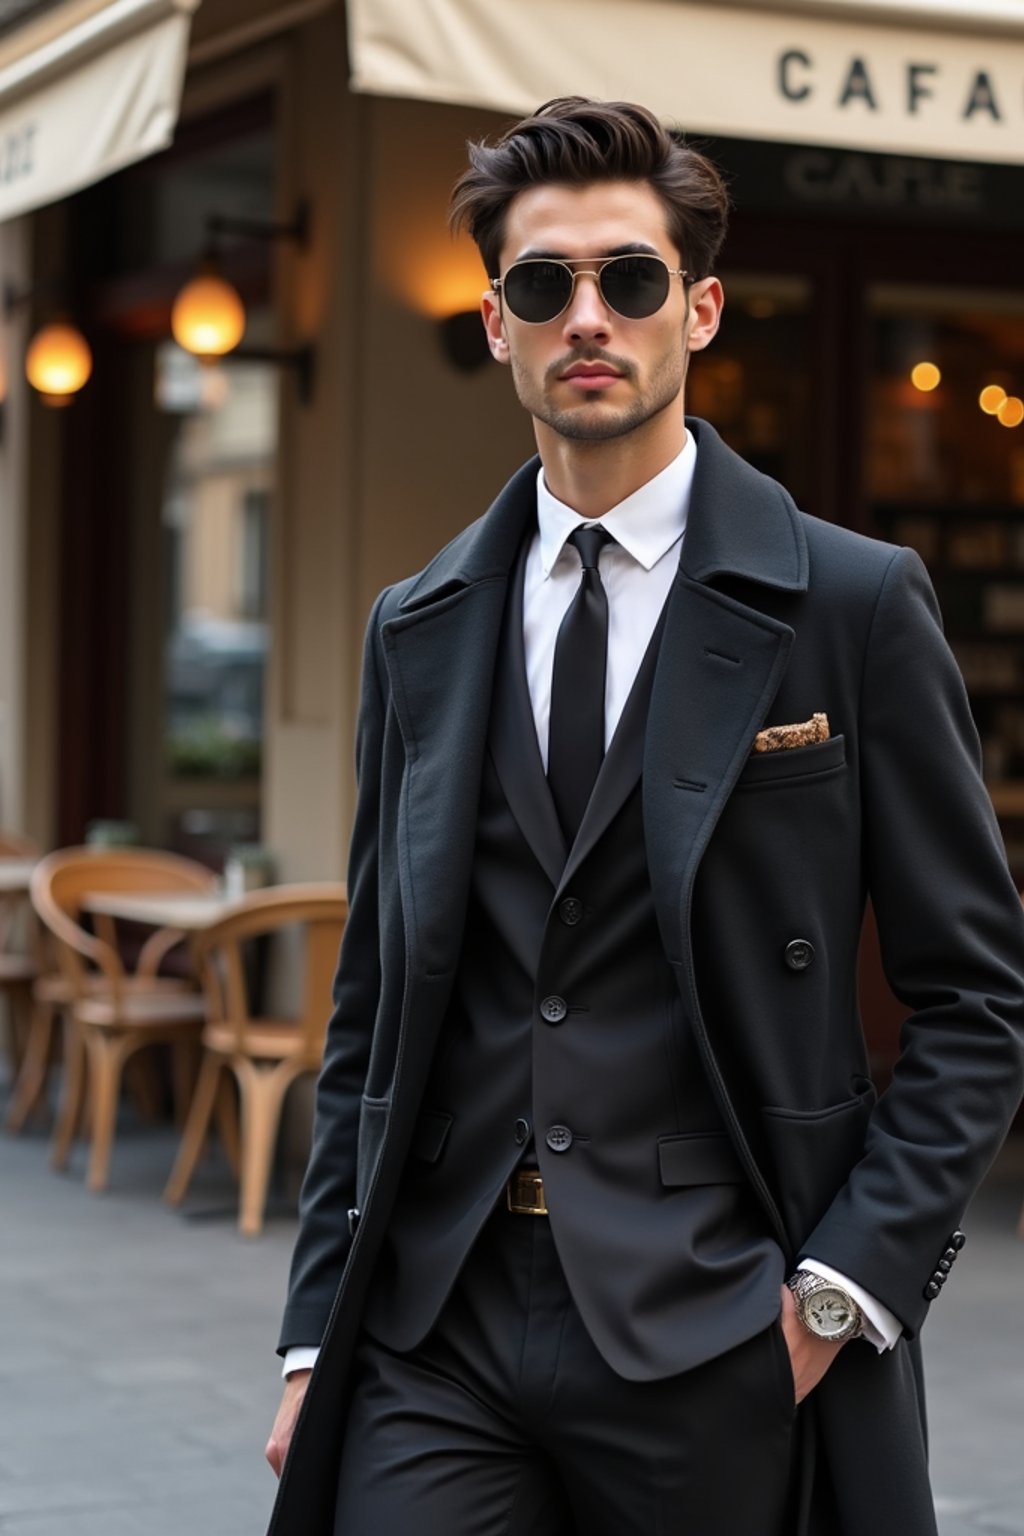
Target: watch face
x,y
828,1312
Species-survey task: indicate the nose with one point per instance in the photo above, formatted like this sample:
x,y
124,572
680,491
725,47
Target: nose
x,y
587,316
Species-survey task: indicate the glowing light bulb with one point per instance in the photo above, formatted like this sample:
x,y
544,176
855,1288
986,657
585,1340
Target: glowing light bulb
x,y
925,377
208,318
1011,412
991,398
58,362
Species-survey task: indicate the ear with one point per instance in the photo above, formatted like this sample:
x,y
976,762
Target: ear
x,y
706,303
494,325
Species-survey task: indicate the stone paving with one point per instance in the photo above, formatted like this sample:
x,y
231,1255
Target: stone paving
x,y
138,1378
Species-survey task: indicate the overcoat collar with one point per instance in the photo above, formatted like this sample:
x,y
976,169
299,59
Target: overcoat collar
x,y
740,524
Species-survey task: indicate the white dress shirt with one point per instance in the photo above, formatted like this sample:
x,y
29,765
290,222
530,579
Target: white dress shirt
x,y
637,572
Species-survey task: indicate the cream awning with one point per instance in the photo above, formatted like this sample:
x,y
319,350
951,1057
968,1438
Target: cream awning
x,y
922,77
86,89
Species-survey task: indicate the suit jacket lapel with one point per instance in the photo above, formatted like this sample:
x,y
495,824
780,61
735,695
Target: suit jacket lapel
x,y
513,740
623,763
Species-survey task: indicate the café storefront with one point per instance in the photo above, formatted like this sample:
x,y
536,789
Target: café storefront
x,y
873,154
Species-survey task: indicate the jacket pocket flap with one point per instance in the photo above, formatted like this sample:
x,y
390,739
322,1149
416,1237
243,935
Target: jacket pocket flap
x,y
431,1134
794,763
699,1159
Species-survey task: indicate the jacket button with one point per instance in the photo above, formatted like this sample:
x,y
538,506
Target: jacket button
x,y
949,1255
931,1290
570,911
799,954
944,1266
957,1240
553,1009
559,1138
938,1278
353,1221
521,1132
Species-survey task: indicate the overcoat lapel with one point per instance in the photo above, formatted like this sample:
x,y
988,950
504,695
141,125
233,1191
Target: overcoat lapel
x,y
719,668
440,652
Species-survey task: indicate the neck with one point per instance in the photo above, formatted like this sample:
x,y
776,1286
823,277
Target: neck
x,y
592,477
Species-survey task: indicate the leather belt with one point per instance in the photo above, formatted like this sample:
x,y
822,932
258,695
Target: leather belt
x,y
525,1193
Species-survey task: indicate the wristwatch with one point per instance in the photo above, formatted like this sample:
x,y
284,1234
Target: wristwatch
x,y
824,1308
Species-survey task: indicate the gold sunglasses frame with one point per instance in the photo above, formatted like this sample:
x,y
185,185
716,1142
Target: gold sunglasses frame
x,y
498,283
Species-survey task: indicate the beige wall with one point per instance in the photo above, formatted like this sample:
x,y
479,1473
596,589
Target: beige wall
x,y
397,451
30,251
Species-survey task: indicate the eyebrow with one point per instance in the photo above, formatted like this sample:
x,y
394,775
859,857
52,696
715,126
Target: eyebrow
x,y
631,248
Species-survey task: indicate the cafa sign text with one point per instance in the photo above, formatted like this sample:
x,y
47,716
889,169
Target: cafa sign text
x,y
972,95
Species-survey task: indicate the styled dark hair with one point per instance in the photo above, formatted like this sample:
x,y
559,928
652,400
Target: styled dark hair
x,y
577,141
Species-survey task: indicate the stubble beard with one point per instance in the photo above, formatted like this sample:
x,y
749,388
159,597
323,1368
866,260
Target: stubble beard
x,y
596,421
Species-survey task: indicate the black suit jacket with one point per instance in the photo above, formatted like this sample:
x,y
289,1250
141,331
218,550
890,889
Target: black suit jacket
x,y
773,616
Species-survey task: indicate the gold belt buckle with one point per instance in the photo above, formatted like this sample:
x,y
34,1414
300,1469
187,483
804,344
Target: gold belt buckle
x,y
525,1192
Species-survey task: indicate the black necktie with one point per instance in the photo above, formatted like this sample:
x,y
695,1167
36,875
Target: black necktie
x,y
576,730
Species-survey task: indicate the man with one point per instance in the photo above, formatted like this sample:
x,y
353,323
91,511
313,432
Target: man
x,y
633,751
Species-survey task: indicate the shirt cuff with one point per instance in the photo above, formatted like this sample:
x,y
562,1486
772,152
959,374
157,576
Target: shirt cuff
x,y
302,1357
881,1327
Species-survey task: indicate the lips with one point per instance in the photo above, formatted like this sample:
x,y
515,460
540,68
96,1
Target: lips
x,y
598,372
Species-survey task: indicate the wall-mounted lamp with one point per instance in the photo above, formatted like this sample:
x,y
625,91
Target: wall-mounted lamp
x,y
208,317
58,362
464,340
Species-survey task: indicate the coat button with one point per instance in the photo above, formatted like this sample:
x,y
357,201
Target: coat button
x,y
949,1255
553,1009
353,1221
799,954
944,1266
521,1132
559,1138
570,911
957,1240
931,1290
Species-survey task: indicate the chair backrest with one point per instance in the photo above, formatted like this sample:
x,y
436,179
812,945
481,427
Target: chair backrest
x,y
62,880
320,909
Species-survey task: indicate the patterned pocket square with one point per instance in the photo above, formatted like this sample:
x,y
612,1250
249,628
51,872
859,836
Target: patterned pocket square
x,y
781,738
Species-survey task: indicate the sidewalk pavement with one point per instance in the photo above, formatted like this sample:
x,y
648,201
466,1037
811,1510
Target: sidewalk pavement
x,y
138,1378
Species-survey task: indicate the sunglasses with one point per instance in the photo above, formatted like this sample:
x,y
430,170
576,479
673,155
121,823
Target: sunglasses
x,y
539,290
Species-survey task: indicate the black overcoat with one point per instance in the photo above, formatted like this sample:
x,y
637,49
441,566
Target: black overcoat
x,y
773,616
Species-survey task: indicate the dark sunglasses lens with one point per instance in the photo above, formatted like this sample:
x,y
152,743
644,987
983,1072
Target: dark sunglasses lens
x,y
635,286
536,291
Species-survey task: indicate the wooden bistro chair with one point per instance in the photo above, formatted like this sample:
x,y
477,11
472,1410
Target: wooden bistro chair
x,y
113,1012
265,1055
18,963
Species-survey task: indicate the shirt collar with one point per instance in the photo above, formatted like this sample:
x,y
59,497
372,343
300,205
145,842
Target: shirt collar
x,y
646,524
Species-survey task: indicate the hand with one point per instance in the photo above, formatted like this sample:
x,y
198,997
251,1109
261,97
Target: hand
x,y
284,1424
809,1357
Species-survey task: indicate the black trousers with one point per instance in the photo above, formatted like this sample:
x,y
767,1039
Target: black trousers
x,y
507,1422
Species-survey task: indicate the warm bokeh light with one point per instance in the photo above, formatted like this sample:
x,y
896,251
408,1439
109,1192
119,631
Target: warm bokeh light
x,y
1011,412
208,318
991,398
58,362
925,377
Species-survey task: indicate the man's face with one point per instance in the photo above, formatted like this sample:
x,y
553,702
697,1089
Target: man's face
x,y
590,375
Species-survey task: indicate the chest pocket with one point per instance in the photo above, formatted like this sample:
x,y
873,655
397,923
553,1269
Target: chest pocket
x,y
794,765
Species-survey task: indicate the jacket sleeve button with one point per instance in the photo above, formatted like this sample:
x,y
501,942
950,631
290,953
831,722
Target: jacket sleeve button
x,y
931,1290
521,1132
957,1240
798,954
